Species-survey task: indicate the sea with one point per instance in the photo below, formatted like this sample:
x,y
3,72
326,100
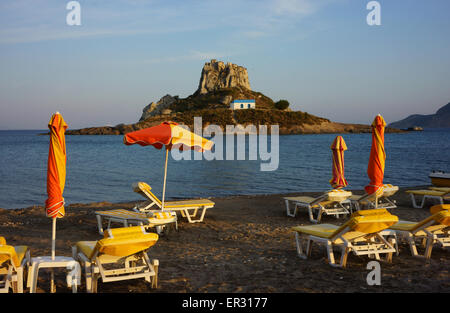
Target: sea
x,y
102,168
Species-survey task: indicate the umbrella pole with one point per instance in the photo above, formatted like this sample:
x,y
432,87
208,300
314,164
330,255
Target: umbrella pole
x,y
52,281
165,176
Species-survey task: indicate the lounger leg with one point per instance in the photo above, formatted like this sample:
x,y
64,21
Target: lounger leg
x,y
429,247
344,256
330,254
412,245
155,264
202,216
20,280
288,211
299,246
311,215
319,214
95,278
99,223
414,203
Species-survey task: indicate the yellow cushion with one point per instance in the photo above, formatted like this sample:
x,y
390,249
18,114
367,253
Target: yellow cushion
x,y
426,192
188,203
14,254
439,207
363,224
120,242
370,212
441,217
319,230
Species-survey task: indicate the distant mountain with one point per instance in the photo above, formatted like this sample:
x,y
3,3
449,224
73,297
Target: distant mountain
x,y
440,119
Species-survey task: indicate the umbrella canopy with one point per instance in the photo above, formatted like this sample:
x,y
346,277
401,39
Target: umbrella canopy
x,y
56,167
170,135
338,147
375,169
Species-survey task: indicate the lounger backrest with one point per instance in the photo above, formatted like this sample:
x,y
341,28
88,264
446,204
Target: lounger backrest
x,y
441,213
372,196
145,189
338,195
439,207
389,190
8,253
372,222
125,241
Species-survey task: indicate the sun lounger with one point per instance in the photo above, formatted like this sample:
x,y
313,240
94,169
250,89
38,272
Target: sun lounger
x,y
120,255
446,189
377,200
187,208
433,230
13,261
438,194
333,202
362,234
156,219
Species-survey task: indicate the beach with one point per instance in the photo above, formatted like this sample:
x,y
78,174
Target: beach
x,y
244,245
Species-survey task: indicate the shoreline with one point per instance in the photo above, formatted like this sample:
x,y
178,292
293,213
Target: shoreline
x,y
243,245
225,197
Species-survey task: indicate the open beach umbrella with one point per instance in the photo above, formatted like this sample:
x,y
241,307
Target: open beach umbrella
x,y
170,135
56,174
338,147
375,169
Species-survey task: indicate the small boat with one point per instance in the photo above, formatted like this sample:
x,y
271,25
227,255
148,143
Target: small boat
x,y
440,179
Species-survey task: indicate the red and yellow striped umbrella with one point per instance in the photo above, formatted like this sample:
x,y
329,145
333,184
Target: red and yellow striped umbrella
x,y
375,169
338,147
170,135
56,167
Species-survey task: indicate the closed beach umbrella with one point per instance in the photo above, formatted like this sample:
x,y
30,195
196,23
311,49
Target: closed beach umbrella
x,y
56,174
170,135
375,169
338,147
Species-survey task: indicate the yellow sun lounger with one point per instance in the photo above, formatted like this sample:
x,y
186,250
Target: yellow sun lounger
x,y
13,261
438,194
333,202
152,218
377,200
362,234
120,255
432,230
187,208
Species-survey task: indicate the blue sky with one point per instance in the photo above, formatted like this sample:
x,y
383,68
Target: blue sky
x,y
319,54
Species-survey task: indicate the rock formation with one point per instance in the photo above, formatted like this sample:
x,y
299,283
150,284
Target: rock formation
x,y
440,119
158,108
218,75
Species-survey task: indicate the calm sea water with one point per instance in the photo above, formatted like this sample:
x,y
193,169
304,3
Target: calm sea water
x,y
102,168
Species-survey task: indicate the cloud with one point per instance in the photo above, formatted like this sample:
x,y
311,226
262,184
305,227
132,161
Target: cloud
x,y
23,21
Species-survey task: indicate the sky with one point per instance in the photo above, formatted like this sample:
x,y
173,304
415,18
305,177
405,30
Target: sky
x,y
320,55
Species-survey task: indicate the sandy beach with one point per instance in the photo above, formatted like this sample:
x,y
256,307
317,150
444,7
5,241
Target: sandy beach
x,y
244,245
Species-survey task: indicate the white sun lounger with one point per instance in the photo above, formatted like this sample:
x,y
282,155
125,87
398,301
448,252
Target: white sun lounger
x,y
187,208
121,255
431,231
333,202
13,261
434,193
377,200
363,234
156,219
